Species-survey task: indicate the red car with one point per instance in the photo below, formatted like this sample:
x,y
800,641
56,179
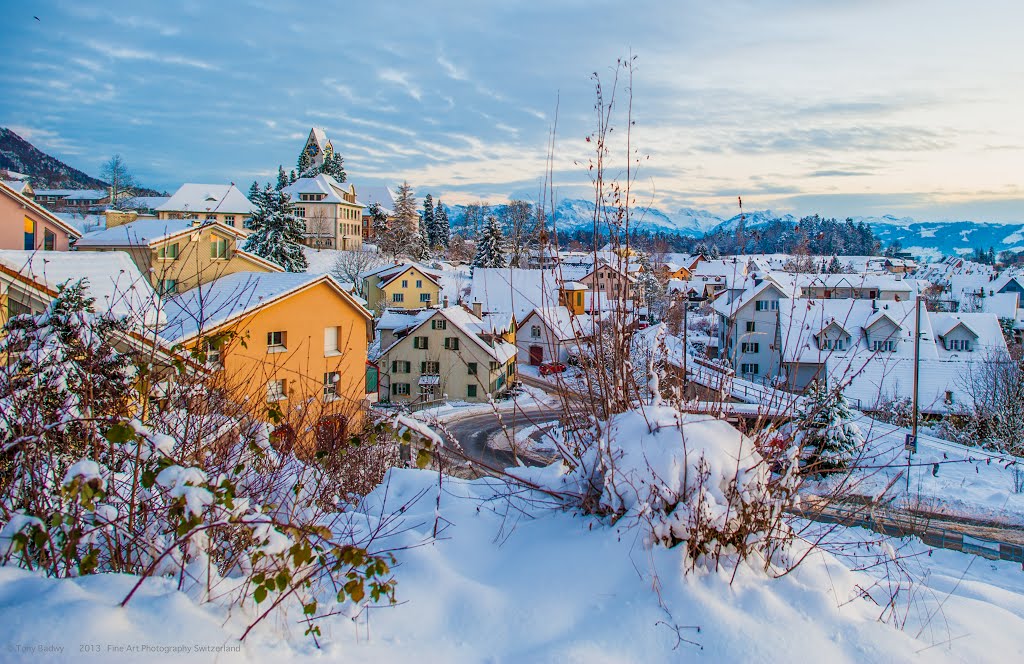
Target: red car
x,y
548,368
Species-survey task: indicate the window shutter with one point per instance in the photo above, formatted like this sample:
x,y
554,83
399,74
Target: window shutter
x,y
394,366
330,339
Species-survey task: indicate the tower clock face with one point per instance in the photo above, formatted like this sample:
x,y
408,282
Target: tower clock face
x,y
312,149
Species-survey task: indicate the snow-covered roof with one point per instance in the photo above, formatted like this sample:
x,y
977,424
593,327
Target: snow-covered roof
x,y
17,185
144,232
145,202
113,279
200,198
397,320
472,327
323,184
24,201
74,194
729,308
515,290
383,196
222,300
562,323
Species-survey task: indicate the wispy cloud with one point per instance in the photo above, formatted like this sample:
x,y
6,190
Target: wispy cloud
x,y
450,69
127,53
401,79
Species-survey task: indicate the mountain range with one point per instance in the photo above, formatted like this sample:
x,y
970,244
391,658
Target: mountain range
x,y
44,171
924,239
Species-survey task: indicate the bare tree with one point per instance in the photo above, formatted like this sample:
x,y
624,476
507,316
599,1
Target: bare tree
x,y
519,220
350,264
122,182
319,226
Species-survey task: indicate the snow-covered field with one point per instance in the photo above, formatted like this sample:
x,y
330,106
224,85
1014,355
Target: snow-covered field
x,y
514,579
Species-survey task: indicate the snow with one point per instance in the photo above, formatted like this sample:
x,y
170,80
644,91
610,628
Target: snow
x,y
515,290
512,579
323,184
140,232
113,279
200,198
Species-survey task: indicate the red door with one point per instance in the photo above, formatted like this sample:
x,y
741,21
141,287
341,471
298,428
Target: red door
x,y
536,355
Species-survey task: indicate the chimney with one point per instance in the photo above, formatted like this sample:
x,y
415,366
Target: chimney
x,y
478,309
445,301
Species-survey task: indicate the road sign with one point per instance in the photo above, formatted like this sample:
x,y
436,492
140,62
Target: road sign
x,y
910,445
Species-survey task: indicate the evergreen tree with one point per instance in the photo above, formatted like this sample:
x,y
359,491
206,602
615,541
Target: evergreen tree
x,y
334,166
490,245
254,192
277,234
441,224
829,432
292,177
428,221
834,267
282,178
305,164
405,215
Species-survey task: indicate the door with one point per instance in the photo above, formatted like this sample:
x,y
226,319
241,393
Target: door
x,y
536,355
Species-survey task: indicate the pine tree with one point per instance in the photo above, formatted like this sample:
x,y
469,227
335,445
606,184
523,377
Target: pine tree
x,y
834,267
254,192
305,164
428,221
490,246
292,177
334,165
277,234
830,434
441,225
405,215
282,178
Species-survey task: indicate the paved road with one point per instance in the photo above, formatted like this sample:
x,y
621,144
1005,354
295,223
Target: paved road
x,y
473,431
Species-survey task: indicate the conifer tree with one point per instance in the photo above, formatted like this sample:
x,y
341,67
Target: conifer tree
x,y
829,432
334,165
405,215
428,221
490,246
305,164
282,178
277,234
441,225
292,177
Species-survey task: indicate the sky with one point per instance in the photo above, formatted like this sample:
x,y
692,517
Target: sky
x,y
860,107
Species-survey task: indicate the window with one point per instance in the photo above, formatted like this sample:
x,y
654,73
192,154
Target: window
x,y
751,326
471,391
276,390
833,344
405,283
439,324
299,212
219,247
430,367
887,345
420,342
229,219
397,297
212,353
425,298
49,240
494,366
419,283
30,234
211,217
959,345
400,366
168,286
168,252
17,308
331,379
535,331
275,342
750,369
400,389
750,347
451,343
330,340
471,367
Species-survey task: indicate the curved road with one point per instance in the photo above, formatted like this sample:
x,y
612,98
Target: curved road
x,y
473,432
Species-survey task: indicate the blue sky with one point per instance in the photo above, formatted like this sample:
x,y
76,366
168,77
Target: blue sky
x,y
859,107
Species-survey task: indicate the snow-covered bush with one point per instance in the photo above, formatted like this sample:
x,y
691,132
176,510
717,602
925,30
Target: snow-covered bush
x,y
689,480
88,487
826,430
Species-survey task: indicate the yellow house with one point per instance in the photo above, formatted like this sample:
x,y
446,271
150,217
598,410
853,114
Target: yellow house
x,y
669,271
280,342
401,286
571,295
330,211
224,203
179,254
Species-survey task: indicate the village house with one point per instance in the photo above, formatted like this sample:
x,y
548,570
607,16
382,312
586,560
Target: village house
x,y
279,341
178,254
368,196
451,354
330,212
24,224
223,203
401,286
552,334
72,200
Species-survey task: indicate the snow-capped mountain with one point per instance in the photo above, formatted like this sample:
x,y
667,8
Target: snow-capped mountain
x,y
927,239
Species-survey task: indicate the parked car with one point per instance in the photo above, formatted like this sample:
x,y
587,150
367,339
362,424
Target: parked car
x,y
548,368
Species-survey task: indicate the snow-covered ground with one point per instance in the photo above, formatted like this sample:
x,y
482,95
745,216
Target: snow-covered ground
x,y
514,579
529,397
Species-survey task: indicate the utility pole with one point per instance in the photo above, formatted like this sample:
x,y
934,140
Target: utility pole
x,y
911,445
686,347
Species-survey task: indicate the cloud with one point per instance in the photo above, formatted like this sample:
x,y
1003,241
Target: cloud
x,y
450,69
126,53
836,174
46,139
401,79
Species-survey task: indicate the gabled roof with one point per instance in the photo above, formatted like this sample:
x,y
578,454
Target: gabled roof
x,y
40,210
19,186
471,327
387,278
321,184
147,232
728,309
826,324
200,198
113,279
562,322
515,290
944,323
217,303
877,317
382,196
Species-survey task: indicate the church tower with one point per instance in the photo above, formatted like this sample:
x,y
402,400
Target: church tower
x,y
318,147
